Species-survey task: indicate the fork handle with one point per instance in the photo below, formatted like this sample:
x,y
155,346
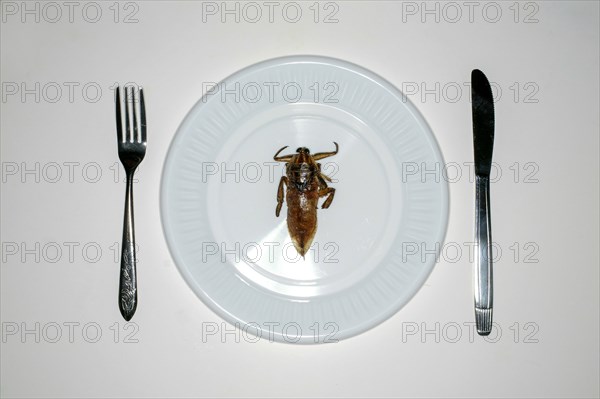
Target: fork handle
x,y
483,269
128,277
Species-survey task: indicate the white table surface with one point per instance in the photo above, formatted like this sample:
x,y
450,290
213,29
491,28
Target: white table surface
x,y
59,232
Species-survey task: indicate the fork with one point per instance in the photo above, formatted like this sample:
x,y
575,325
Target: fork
x,y
132,148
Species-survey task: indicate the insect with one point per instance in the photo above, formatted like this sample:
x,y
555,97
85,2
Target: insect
x,y
305,185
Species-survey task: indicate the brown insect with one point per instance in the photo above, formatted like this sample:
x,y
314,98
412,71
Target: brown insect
x,y
305,185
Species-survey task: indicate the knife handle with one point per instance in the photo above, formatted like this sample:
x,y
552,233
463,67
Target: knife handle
x,y
483,268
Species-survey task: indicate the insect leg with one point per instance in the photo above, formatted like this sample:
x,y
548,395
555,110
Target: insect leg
x,y
323,188
322,175
282,182
327,191
322,182
321,155
284,158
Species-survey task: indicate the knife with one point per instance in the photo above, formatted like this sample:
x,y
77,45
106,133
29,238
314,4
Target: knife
x,y
482,103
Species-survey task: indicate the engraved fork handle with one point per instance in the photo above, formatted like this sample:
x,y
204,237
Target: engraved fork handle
x,y
128,278
483,269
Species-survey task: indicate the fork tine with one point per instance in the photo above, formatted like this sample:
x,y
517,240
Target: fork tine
x,y
127,128
134,112
118,112
142,116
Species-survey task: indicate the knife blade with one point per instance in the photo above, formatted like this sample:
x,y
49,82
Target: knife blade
x,y
482,101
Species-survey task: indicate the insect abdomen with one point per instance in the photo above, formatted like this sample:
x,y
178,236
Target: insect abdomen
x,y
302,217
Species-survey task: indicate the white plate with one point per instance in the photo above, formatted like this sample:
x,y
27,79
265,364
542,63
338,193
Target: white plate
x,y
219,188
